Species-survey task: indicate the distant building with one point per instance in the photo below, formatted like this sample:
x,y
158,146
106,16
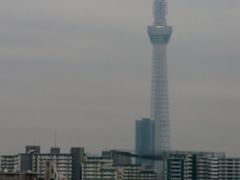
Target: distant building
x,y
9,163
147,175
55,150
118,159
103,168
63,164
202,166
229,168
16,163
51,171
20,162
135,172
32,149
98,168
68,164
78,156
144,139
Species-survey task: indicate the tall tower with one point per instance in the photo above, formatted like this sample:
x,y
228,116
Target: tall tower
x,y
160,34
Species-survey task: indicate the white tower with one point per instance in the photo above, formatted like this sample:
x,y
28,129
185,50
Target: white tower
x,y
160,34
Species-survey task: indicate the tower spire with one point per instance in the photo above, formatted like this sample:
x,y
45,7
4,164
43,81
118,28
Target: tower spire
x,y
159,34
160,12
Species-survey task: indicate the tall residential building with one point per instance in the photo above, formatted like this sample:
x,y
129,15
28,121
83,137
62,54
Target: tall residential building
x,y
78,156
160,34
144,139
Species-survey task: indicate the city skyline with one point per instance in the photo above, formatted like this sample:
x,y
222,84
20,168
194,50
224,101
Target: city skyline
x,y
51,79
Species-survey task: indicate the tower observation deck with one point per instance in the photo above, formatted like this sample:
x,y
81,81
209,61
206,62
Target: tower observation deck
x,y
159,34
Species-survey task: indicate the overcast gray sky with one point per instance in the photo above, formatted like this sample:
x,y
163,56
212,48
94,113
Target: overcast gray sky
x,y
82,68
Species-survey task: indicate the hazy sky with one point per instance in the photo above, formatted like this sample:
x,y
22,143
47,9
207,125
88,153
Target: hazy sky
x,y
82,68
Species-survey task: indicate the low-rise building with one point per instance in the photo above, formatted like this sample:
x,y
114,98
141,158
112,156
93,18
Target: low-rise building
x,y
103,168
135,172
118,159
18,176
98,168
16,163
33,160
202,166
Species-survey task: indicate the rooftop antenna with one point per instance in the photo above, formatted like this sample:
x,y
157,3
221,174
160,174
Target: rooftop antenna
x,y
55,138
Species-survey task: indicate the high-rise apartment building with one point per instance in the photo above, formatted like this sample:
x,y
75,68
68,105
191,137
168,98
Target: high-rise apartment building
x,y
78,156
144,141
160,34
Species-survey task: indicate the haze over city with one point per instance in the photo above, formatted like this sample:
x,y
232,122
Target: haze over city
x,y
82,69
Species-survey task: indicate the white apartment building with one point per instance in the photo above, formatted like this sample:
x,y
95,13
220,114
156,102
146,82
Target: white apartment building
x,y
98,168
63,164
102,168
